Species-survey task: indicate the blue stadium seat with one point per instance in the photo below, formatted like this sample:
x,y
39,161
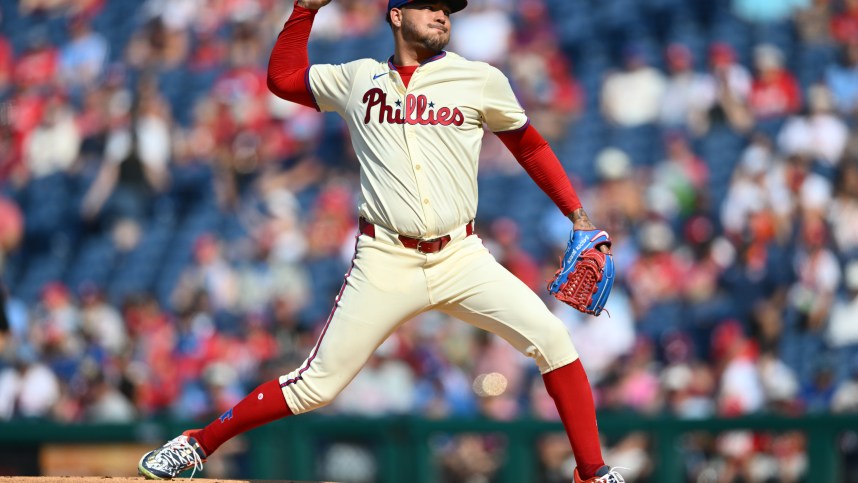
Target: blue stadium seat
x,y
326,278
641,143
812,61
574,25
92,263
781,35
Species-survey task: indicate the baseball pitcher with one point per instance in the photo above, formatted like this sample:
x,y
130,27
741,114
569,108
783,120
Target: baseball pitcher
x,y
416,122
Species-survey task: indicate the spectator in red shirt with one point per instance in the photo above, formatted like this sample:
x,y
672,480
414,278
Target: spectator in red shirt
x,y
7,61
775,91
39,65
11,161
656,276
844,26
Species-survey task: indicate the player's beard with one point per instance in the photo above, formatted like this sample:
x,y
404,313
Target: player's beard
x,y
435,43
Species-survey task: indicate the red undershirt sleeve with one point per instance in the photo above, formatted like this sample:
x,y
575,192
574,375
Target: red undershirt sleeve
x,y
289,65
534,154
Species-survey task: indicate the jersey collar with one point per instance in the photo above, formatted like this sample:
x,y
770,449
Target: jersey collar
x,y
438,56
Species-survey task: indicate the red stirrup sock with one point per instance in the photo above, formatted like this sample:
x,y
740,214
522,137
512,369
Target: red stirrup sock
x,y
570,389
263,405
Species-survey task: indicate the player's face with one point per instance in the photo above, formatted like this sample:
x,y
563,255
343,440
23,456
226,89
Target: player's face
x,y
427,23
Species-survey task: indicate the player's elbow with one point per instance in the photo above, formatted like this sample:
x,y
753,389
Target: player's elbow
x,y
274,85
291,86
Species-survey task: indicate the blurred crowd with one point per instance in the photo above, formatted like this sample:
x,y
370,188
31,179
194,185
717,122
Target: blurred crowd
x,y
171,234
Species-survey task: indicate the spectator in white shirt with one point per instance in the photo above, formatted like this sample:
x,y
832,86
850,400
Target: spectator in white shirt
x,y
842,328
820,134
688,95
54,145
632,96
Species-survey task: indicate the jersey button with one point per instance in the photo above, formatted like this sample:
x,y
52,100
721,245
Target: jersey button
x,y
426,201
417,167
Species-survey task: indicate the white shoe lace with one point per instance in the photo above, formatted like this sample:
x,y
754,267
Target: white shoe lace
x,y
613,476
178,455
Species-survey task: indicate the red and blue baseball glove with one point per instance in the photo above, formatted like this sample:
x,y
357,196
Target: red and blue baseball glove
x,y
586,274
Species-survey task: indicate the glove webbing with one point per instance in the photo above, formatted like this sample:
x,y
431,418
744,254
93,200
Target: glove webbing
x,y
582,283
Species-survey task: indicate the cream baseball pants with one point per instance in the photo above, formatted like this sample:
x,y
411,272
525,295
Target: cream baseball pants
x,y
389,284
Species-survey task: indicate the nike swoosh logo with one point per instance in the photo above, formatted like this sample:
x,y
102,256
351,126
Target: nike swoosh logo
x,y
378,75
597,235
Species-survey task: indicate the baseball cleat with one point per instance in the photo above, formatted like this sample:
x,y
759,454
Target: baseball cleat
x,y
177,455
605,474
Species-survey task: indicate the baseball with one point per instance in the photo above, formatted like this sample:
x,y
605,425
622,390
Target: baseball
x,y
488,385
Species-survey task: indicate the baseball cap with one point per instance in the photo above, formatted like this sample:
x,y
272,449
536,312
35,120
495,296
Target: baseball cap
x,y
455,5
721,54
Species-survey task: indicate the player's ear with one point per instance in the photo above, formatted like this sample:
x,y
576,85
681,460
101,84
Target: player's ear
x,y
396,17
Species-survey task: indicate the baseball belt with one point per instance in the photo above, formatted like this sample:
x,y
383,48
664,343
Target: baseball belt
x,y
432,245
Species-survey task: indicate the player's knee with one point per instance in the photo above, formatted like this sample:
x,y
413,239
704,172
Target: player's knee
x,y
310,394
324,396
553,334
552,346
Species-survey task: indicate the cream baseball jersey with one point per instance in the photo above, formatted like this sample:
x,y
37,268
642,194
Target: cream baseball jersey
x,y
418,146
